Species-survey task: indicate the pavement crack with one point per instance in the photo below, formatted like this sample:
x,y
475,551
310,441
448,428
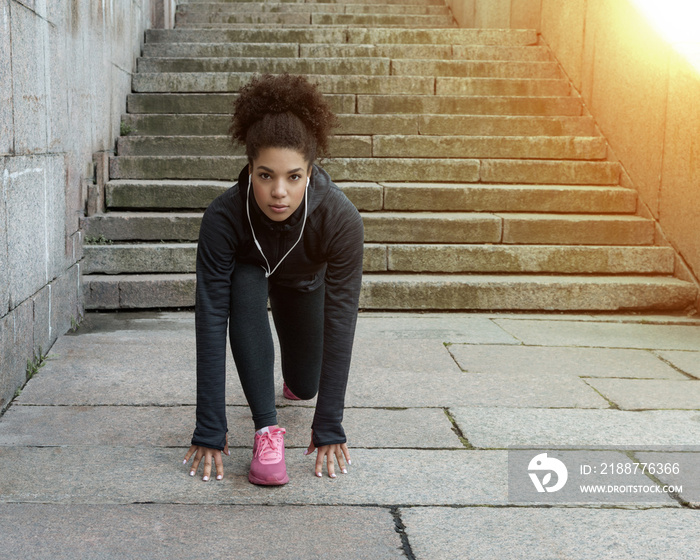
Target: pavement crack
x,y
400,528
674,366
671,493
457,430
613,405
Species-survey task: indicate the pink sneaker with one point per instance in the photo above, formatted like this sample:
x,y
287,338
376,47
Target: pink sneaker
x,y
287,394
268,466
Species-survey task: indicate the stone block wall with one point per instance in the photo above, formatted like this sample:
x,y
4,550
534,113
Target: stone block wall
x,y
497,14
65,72
641,91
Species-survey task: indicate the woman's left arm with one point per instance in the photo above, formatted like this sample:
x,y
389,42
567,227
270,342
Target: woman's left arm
x,y
343,283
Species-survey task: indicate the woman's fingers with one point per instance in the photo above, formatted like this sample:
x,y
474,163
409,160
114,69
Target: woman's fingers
x,y
197,460
189,453
330,463
346,452
219,466
210,456
339,458
319,460
207,465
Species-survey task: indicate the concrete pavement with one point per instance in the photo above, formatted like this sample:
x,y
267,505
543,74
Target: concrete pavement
x,y
441,411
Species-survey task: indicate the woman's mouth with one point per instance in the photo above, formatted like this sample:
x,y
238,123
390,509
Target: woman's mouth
x,y
278,208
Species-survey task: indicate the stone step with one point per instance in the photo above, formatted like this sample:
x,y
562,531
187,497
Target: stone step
x,y
354,66
410,227
366,36
333,66
176,105
442,197
462,227
340,146
381,169
404,94
434,125
440,292
529,292
164,195
472,105
194,195
311,7
348,146
202,82
541,147
204,20
345,102
333,50
159,258
269,50
327,2
475,69
519,259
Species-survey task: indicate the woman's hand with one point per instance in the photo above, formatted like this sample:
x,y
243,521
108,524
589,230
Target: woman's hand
x,y
331,453
208,454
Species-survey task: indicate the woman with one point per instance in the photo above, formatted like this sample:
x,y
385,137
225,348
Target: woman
x,y
286,231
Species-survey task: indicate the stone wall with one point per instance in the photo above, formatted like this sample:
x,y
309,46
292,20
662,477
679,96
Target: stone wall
x,y
497,14
65,71
642,93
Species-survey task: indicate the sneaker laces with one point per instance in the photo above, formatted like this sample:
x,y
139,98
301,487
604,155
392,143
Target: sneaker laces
x,y
270,446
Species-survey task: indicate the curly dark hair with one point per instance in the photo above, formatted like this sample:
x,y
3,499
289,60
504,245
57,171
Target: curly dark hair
x,y
282,111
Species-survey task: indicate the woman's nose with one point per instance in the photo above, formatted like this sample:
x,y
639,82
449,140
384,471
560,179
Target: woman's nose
x,y
279,190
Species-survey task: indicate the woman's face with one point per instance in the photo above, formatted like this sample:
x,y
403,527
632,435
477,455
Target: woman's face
x,y
279,181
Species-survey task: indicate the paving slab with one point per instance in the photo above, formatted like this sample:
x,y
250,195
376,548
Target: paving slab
x,y
442,327
631,394
118,475
32,531
566,428
91,370
545,360
394,387
687,475
133,426
543,533
603,334
687,362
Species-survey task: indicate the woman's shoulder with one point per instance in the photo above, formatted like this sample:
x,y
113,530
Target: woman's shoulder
x,y
331,196
227,203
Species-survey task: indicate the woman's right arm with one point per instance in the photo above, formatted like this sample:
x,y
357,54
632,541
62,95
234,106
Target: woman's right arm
x,y
215,263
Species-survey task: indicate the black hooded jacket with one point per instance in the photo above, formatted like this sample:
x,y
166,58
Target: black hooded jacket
x,y
330,252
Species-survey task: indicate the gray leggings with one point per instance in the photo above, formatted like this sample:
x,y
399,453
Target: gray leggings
x,y
298,318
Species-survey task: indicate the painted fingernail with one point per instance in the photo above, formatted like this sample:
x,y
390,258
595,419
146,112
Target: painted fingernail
x,y
191,473
219,476
333,475
205,479
318,474
306,451
349,462
345,471
184,462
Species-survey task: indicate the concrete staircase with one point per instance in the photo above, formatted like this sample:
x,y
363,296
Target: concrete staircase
x,y
481,182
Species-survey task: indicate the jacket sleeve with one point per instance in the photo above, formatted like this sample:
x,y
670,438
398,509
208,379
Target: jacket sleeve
x,y
343,282
215,263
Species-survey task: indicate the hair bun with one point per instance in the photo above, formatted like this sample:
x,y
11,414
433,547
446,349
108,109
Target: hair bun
x,y
271,94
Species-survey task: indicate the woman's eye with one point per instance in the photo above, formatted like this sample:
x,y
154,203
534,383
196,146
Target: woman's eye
x,y
264,175
295,177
